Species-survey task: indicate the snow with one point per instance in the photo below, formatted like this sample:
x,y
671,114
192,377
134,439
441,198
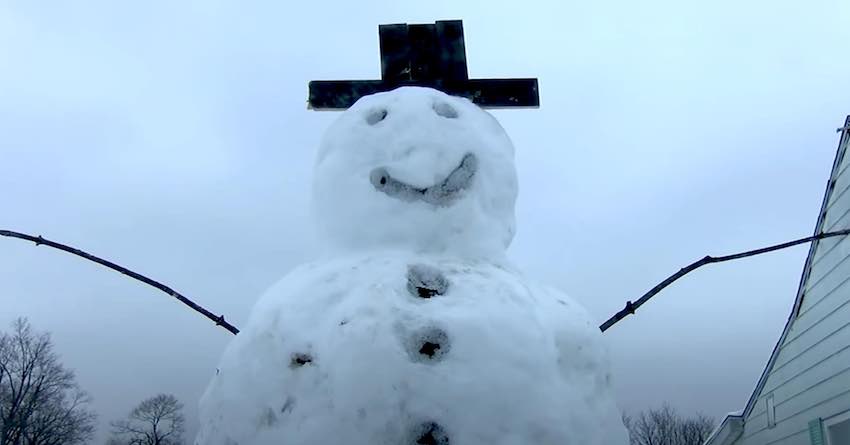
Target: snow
x,y
413,328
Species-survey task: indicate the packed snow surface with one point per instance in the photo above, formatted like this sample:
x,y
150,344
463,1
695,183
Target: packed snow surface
x,y
413,328
350,351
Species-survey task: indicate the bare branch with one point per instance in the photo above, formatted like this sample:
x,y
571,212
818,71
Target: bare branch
x,y
41,403
38,240
664,426
631,307
155,421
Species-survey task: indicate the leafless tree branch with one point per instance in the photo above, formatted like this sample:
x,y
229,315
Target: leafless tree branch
x,y
38,240
155,421
664,426
631,307
40,403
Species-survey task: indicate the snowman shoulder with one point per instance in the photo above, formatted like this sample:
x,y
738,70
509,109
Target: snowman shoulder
x,y
567,316
301,285
553,295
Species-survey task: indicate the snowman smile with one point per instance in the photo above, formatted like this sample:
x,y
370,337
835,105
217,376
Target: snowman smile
x,y
442,194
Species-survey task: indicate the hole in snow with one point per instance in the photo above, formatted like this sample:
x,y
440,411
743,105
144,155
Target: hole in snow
x,y
300,359
424,292
445,110
425,281
288,405
267,419
430,433
428,345
376,116
429,349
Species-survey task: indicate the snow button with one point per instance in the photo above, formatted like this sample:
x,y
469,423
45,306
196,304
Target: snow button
x,y
425,281
300,359
430,433
428,345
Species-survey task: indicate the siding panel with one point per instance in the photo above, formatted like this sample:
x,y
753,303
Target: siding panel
x,y
838,211
834,256
810,375
839,194
791,422
824,304
787,381
788,378
824,338
826,245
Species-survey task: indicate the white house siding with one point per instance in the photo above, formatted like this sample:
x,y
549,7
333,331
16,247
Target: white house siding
x,y
810,377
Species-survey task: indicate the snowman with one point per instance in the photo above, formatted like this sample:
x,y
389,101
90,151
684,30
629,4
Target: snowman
x,y
413,328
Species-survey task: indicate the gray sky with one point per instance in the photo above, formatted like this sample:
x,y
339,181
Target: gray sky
x,y
175,140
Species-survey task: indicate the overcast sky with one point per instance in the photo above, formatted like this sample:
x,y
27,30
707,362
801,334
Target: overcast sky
x,y
173,138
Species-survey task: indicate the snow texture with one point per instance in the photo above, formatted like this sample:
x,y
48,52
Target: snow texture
x,y
414,328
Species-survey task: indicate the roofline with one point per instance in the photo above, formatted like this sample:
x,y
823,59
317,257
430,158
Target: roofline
x,y
727,421
843,142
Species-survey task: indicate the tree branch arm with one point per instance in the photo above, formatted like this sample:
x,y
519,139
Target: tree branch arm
x,y
38,240
631,307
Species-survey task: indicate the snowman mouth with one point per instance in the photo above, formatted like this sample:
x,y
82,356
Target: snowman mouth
x,y
441,194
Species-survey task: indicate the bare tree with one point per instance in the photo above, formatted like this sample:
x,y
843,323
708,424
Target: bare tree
x,y
40,402
664,426
156,421
696,429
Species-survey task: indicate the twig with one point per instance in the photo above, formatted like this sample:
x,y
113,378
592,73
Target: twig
x,y
631,307
38,240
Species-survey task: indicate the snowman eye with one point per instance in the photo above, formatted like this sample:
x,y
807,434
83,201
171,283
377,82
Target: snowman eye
x,y
376,116
445,110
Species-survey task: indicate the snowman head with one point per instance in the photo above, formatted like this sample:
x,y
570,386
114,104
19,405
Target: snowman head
x,y
415,168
